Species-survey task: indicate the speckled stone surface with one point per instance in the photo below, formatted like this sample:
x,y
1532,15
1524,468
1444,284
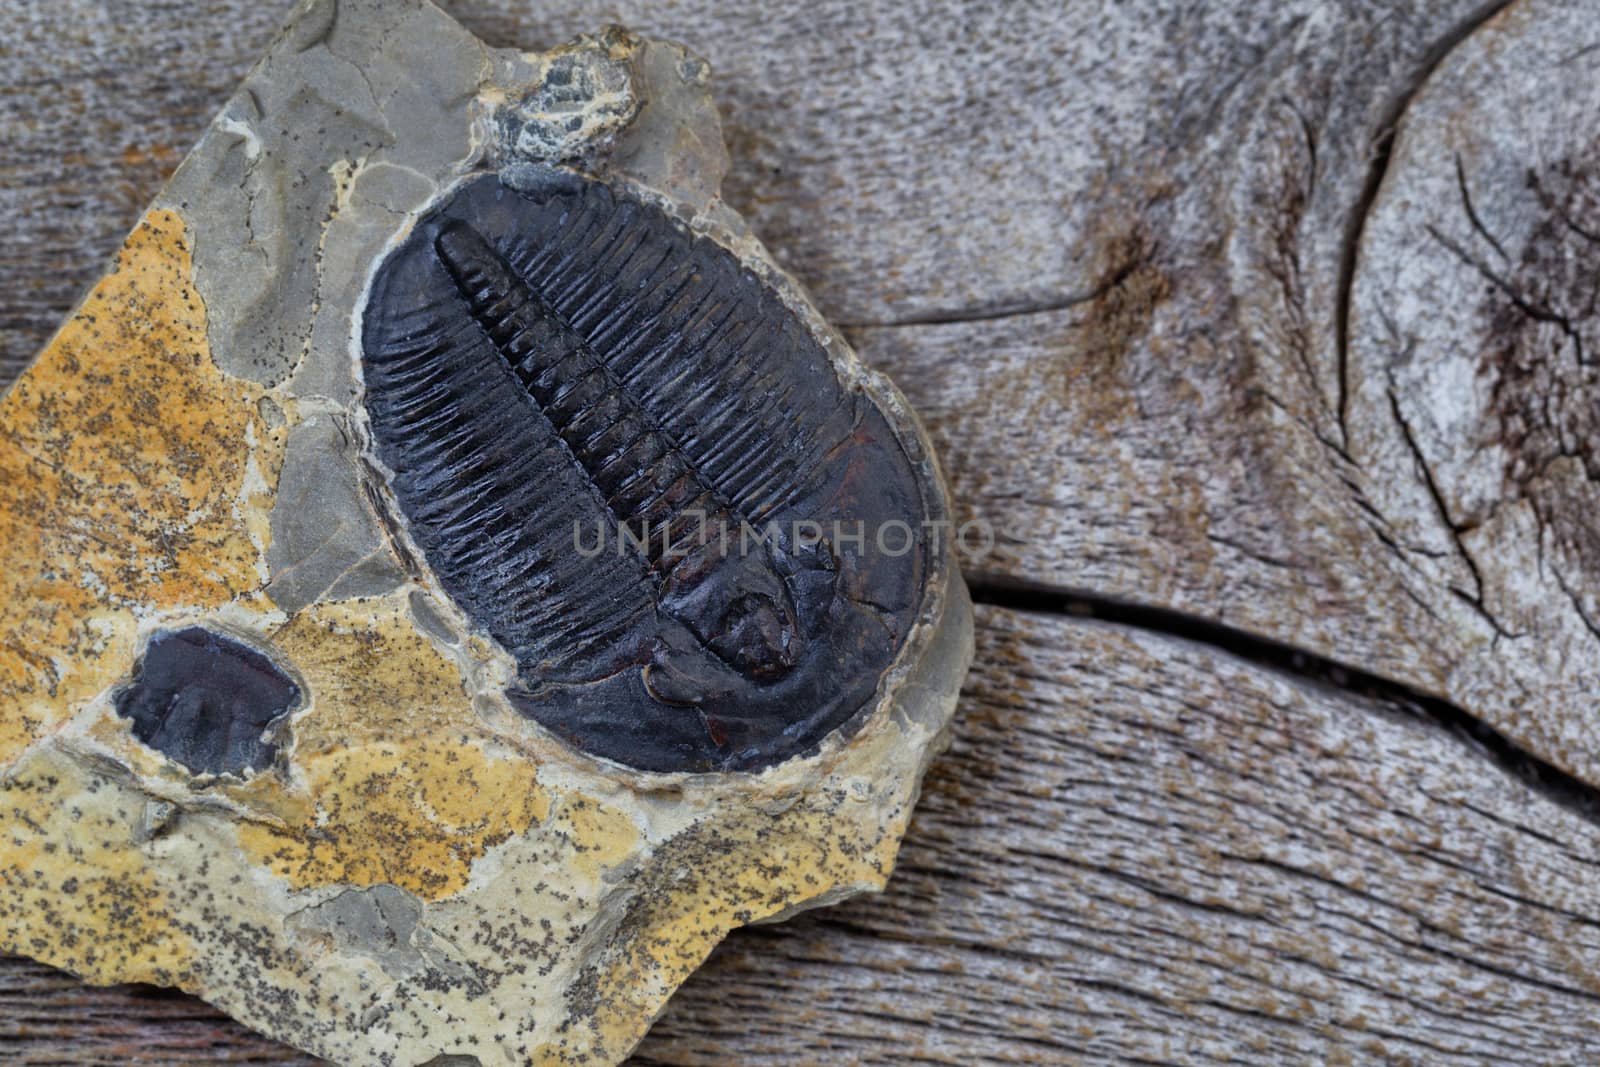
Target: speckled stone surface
x,y
388,864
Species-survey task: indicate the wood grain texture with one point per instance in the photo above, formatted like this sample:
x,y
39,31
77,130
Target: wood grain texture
x,y
1277,316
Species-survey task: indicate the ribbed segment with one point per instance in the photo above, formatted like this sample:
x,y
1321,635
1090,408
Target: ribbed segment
x,y
646,482
574,368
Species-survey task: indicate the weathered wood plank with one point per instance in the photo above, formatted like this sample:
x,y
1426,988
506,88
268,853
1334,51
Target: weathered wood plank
x,y
50,1018
1289,408
98,103
1135,265
1141,851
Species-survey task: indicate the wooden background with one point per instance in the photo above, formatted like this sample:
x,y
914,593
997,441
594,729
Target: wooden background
x,y
1259,331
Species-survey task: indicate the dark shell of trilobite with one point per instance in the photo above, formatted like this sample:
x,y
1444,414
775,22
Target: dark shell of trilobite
x,y
628,462
207,701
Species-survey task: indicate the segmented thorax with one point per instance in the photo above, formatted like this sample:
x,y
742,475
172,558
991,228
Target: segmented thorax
x,y
567,359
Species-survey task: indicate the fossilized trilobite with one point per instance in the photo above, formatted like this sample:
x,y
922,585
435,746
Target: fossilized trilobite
x,y
629,462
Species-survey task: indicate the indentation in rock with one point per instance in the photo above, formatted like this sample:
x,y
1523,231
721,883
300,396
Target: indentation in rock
x,y
207,701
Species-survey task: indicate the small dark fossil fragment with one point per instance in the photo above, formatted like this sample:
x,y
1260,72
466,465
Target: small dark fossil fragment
x,y
205,700
630,463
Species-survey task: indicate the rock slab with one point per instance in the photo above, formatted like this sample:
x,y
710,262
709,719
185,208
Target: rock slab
x,y
255,749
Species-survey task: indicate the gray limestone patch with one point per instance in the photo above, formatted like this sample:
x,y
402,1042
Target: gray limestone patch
x,y
377,201
327,542
675,145
256,194
346,82
385,923
429,621
640,108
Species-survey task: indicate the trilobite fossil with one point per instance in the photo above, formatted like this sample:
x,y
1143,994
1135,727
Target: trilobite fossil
x,y
629,462
207,701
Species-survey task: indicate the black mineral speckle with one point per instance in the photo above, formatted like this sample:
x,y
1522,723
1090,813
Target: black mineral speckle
x,y
206,700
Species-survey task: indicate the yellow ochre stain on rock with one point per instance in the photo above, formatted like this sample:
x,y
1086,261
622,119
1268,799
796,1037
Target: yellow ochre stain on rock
x,y
373,677
74,891
414,814
398,787
599,835
723,873
123,456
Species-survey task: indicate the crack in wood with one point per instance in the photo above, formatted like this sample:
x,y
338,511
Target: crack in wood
x,y
1518,298
1458,530
1001,310
1534,773
1472,211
